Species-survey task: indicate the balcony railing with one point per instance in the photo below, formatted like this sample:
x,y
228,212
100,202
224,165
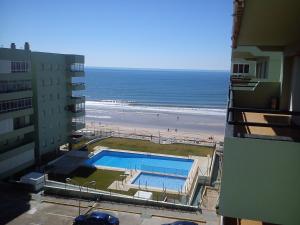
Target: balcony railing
x,y
14,86
243,84
77,99
15,105
262,123
77,125
77,86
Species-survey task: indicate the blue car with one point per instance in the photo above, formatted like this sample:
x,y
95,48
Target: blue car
x,y
181,223
96,218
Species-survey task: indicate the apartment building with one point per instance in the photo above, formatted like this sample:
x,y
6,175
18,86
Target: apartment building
x,y
261,159
40,106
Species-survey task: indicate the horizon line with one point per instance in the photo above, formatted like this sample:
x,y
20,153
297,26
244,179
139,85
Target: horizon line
x,y
147,68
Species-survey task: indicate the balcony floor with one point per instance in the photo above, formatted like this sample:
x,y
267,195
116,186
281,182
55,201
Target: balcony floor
x,y
285,133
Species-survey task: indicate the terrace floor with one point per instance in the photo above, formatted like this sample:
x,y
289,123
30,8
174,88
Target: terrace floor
x,y
284,133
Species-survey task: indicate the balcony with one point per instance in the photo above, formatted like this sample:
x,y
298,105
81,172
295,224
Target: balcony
x,y
16,158
264,124
243,84
256,115
76,70
77,113
15,105
77,125
76,99
77,86
17,132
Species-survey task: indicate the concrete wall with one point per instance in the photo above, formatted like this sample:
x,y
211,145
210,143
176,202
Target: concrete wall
x,y
50,101
16,160
295,90
259,98
261,180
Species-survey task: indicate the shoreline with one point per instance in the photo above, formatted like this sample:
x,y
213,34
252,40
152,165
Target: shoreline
x,y
167,122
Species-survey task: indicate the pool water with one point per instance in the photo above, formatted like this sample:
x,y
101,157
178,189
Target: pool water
x,y
160,181
143,162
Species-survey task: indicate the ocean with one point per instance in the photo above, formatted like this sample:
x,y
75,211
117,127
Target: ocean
x,y
136,97
167,89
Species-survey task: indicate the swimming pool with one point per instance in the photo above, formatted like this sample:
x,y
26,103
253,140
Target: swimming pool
x,y
160,181
144,162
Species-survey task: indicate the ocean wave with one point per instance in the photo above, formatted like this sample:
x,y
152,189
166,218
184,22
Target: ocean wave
x,y
132,106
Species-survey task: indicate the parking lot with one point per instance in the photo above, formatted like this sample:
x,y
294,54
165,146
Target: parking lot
x,y
19,207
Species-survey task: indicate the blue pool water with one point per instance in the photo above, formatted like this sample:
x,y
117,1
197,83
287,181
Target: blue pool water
x,y
158,181
144,162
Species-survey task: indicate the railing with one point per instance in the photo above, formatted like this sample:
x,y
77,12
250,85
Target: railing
x,y
234,110
15,105
14,86
79,85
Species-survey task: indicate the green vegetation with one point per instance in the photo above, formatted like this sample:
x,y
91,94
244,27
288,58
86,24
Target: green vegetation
x,y
103,178
147,146
82,174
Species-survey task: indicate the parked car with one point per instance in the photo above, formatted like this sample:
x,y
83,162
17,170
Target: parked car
x,y
181,223
96,218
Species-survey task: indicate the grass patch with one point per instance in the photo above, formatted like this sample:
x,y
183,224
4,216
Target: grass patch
x,y
82,174
103,178
147,146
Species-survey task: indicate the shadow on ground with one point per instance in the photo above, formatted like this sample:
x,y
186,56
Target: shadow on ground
x,y
14,201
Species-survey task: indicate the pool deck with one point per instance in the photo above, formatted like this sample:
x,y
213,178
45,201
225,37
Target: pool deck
x,y
200,167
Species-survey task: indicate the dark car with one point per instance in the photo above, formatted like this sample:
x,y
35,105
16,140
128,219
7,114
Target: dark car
x,y
96,218
181,223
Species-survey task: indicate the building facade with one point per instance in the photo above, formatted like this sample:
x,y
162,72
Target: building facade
x,y
40,107
261,161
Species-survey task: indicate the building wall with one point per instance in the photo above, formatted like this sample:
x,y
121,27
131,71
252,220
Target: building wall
x,y
16,160
251,52
261,180
295,90
47,123
16,126
50,101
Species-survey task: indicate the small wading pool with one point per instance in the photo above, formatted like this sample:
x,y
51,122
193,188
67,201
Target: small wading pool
x,y
143,162
160,181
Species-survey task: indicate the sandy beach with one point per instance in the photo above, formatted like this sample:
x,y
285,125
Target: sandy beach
x,y
179,124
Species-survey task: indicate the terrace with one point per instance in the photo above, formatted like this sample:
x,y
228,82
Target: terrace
x,y
257,121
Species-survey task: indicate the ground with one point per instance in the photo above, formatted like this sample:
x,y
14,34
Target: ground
x,y
19,207
147,146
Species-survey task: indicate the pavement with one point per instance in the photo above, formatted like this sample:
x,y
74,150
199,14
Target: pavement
x,y
21,207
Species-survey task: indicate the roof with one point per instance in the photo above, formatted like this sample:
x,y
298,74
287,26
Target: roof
x,y
267,23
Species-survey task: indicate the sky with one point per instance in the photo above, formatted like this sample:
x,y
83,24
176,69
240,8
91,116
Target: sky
x,y
165,34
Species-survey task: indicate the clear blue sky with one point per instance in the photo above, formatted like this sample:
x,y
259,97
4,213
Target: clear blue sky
x,y
186,34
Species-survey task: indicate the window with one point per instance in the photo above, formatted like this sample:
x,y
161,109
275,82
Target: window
x,y
261,68
240,68
19,66
77,67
